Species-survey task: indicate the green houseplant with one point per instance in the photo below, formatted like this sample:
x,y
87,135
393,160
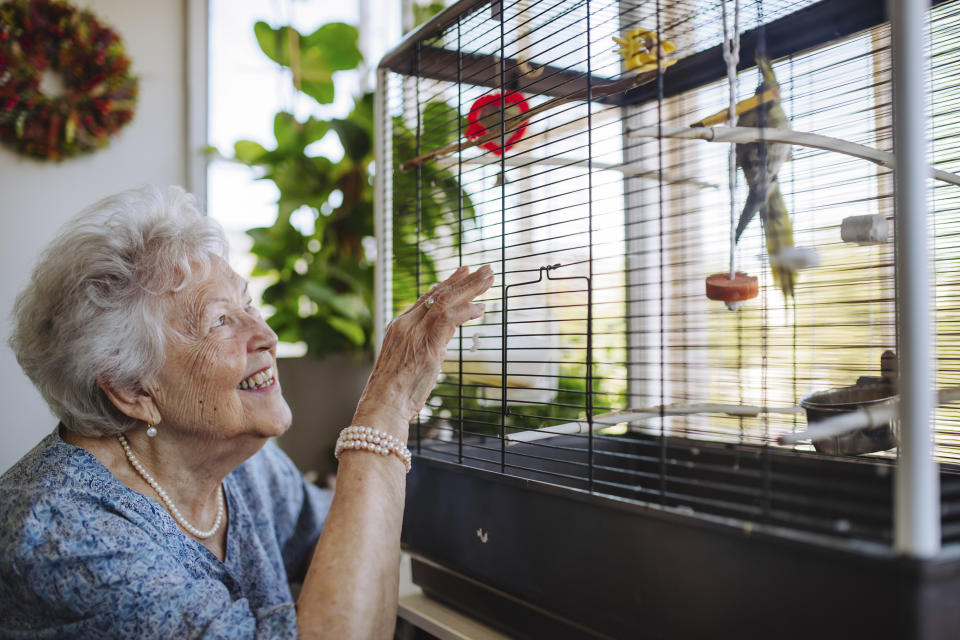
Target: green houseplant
x,y
321,289
321,276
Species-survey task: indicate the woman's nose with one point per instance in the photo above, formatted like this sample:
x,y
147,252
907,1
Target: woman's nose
x,y
262,337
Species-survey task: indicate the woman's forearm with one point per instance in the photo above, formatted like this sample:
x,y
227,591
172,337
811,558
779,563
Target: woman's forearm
x,y
351,586
350,590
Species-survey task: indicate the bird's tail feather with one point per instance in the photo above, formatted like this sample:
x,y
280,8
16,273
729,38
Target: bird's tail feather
x,y
766,71
750,208
778,231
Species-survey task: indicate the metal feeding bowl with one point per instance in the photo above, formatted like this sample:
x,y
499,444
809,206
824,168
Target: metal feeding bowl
x,y
826,404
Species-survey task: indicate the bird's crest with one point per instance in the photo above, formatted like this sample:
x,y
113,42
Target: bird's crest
x,y
766,71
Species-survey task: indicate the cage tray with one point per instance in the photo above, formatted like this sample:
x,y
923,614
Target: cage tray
x,y
712,540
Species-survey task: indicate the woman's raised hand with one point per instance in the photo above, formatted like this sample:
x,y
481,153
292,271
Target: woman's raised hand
x,y
413,350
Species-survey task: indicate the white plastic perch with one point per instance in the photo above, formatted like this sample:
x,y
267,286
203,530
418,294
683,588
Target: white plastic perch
x,y
632,416
865,230
787,136
796,258
865,417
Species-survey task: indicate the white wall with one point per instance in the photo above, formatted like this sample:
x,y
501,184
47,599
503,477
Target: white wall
x,y
37,197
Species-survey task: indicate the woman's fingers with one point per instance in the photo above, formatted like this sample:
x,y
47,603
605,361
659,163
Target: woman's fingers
x,y
440,311
475,284
452,306
462,286
457,275
456,307
416,341
457,315
465,288
436,289
476,310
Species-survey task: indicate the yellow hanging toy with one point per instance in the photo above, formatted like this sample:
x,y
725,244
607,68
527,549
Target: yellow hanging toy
x,y
638,48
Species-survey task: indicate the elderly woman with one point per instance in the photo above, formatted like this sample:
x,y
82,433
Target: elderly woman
x,y
158,507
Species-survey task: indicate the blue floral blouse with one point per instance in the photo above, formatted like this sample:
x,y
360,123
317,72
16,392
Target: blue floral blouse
x,y
84,556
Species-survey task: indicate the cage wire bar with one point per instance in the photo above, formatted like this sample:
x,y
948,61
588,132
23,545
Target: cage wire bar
x,y
600,366
917,490
382,204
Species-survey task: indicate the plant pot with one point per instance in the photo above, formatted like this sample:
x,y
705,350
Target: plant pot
x,y
322,395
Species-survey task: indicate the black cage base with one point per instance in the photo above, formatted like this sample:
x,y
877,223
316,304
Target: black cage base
x,y
538,560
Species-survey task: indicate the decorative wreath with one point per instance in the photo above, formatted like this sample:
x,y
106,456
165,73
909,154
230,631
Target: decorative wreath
x,y
37,36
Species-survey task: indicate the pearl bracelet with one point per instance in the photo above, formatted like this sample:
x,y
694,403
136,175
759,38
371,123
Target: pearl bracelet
x,y
374,441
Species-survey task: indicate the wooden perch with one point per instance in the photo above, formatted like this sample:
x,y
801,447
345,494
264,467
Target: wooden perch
x,y
741,107
511,124
741,135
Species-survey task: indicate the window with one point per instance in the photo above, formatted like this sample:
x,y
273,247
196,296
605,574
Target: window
x,y
246,89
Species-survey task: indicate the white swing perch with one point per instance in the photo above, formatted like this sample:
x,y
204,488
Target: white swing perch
x,y
741,135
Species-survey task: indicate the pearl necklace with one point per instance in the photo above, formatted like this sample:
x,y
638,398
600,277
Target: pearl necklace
x,y
171,507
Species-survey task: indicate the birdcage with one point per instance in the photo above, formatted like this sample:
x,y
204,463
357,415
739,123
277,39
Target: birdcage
x,y
712,391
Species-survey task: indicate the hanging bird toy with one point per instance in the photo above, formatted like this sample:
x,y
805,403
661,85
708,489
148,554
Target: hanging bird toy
x,y
639,50
733,291
483,121
734,287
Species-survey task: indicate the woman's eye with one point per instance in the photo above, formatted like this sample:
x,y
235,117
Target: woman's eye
x,y
220,321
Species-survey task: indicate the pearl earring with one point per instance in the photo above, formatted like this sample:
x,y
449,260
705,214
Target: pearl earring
x,y
151,431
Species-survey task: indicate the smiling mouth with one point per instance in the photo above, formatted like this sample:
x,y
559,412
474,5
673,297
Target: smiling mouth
x,y
259,380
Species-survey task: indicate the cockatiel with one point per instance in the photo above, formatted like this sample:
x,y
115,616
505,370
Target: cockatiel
x,y
760,163
778,234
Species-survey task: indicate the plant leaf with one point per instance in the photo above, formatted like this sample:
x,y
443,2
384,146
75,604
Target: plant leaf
x,y
248,151
351,305
275,43
440,122
314,130
319,90
355,141
336,44
286,130
332,47
351,330
423,12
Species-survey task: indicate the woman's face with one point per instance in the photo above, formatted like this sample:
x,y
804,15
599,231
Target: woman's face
x,y
220,378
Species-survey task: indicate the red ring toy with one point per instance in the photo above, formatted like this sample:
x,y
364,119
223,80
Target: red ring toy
x,y
489,106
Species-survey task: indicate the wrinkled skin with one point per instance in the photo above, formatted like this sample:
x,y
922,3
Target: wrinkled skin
x,y
413,349
218,339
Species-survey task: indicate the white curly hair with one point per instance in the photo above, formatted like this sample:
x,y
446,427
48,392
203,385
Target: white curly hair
x,y
91,310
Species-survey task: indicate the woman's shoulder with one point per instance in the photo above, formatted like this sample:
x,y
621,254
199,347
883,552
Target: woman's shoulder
x,y
49,468
81,554
58,493
46,463
50,471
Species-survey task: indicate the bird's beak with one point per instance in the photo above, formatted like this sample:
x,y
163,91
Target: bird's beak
x,y
742,107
